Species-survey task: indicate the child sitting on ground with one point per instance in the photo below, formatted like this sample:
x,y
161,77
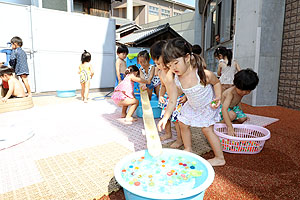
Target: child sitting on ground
x,y
15,87
123,94
122,53
244,82
156,52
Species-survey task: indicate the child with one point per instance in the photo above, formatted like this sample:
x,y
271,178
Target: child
x,y
123,94
18,60
15,87
244,82
203,91
225,69
146,70
156,52
156,81
122,53
86,73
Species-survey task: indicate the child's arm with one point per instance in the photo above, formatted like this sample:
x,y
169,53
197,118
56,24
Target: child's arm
x,y
225,105
162,92
139,80
237,66
92,70
118,63
220,65
172,94
11,85
152,73
212,79
79,69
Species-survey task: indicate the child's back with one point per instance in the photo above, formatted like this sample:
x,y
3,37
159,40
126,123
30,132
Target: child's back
x,y
18,88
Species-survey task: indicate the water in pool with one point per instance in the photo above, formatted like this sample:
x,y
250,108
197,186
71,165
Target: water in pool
x,y
166,174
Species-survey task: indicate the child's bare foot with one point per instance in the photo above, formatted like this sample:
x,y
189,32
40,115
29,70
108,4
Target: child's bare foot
x,y
123,115
85,100
130,119
189,149
216,162
165,137
176,144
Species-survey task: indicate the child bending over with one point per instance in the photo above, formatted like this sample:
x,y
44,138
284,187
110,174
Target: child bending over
x,y
15,87
156,54
201,88
86,73
124,94
244,82
122,53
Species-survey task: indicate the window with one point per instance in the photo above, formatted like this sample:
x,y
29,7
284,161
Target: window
x,y
165,13
176,13
153,10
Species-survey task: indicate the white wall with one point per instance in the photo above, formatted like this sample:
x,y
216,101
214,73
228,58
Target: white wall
x,y
58,39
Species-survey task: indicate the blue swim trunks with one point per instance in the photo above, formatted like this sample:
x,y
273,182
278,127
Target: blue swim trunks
x,y
117,81
239,113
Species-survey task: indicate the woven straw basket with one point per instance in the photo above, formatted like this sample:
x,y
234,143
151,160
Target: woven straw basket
x,y
16,104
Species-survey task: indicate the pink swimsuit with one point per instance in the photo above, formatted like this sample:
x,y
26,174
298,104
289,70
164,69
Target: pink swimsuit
x,y
123,90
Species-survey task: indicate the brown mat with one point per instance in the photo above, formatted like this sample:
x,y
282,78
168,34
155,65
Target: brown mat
x,y
84,174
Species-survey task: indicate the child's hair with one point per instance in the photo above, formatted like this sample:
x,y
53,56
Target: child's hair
x,y
196,49
122,49
156,49
177,48
6,70
85,57
17,40
144,54
224,52
246,79
131,69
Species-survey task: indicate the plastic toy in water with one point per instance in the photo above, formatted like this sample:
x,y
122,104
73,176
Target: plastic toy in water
x,y
175,174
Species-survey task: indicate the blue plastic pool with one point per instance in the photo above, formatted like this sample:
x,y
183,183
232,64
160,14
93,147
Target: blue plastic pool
x,y
65,93
175,174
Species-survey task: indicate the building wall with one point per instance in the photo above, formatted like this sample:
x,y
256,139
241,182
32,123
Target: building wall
x,y
183,24
289,79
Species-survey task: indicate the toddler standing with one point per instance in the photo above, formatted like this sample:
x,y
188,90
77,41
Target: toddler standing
x,y
122,53
203,91
86,73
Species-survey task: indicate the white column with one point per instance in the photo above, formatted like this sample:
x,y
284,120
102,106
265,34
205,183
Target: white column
x,y
69,5
130,10
40,3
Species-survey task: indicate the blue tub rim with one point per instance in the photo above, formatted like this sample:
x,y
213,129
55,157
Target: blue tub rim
x,y
191,193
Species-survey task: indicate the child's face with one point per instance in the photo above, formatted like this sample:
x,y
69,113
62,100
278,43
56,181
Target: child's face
x,y
159,63
122,55
242,92
179,65
14,45
143,62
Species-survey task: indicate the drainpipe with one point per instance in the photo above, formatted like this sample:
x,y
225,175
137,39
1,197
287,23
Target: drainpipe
x,y
130,10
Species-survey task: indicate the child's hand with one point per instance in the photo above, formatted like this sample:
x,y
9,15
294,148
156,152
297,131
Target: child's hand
x,y
215,103
4,99
144,87
183,99
162,124
230,131
161,99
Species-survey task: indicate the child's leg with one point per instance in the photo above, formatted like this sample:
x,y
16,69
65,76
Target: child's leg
x,y
178,143
24,78
168,133
215,144
86,91
82,90
156,90
133,103
149,91
232,116
124,111
241,120
186,136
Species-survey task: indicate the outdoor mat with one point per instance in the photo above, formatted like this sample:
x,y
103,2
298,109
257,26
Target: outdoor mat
x,y
83,174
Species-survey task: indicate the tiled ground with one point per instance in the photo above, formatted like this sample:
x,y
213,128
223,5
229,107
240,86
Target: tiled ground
x,y
74,148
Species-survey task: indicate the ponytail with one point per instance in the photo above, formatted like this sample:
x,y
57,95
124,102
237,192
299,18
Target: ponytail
x,y
198,61
131,69
229,57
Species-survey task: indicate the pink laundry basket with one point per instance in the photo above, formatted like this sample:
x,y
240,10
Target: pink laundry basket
x,y
248,139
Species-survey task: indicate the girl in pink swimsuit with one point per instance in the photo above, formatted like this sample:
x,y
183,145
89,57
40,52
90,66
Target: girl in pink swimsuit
x,y
123,94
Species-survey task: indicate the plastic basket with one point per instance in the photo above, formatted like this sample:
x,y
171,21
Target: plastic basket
x,y
248,139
